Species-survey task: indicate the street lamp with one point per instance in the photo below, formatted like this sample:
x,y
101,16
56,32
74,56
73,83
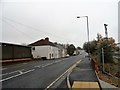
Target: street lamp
x,y
87,30
106,33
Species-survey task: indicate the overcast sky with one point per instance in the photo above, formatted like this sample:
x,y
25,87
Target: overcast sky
x,y
25,21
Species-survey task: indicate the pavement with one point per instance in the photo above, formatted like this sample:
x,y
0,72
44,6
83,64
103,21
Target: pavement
x,y
84,72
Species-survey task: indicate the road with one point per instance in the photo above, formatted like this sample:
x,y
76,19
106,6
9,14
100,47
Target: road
x,y
35,74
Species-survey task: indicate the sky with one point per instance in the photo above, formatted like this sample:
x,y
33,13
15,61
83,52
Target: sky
x,y
26,21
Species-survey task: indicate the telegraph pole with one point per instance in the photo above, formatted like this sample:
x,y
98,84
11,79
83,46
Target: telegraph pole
x,y
103,59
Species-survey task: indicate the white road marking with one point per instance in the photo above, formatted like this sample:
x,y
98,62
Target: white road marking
x,y
45,65
25,63
38,66
68,81
17,75
68,70
11,72
56,61
50,63
3,68
20,72
28,71
42,65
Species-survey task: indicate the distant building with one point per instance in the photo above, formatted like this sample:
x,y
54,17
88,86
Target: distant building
x,y
44,49
62,50
77,51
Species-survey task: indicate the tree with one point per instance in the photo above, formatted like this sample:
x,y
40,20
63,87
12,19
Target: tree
x,y
117,48
95,47
70,49
85,46
90,47
79,48
99,36
108,46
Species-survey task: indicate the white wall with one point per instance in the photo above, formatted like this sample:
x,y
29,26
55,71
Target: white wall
x,y
54,51
47,51
40,51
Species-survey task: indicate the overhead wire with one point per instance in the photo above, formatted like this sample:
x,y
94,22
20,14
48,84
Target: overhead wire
x,y
35,29
17,30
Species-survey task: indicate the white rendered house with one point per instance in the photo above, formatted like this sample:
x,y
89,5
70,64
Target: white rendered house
x,y
44,49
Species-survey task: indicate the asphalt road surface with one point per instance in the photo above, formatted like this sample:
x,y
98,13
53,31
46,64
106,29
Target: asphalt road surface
x,y
35,74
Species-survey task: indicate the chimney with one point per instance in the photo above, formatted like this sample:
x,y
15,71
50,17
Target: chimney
x,y
47,39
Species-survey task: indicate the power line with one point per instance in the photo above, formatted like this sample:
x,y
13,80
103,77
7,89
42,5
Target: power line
x,y
18,30
32,28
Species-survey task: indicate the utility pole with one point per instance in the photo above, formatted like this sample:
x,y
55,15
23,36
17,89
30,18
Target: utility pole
x,y
103,59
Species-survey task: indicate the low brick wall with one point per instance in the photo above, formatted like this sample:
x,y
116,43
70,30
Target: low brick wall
x,y
94,65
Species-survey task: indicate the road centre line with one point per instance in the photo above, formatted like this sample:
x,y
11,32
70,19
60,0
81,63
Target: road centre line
x,y
3,68
48,64
11,72
25,63
68,70
21,73
17,75
38,66
44,65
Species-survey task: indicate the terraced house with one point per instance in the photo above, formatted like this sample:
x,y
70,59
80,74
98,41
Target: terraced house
x,y
45,49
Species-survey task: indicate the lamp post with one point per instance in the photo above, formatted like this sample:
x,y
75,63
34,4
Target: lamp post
x,y
87,30
106,33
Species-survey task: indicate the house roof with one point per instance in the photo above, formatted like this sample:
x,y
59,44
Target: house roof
x,y
11,44
60,46
42,42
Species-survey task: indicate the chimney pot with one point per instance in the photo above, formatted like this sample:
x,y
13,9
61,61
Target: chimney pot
x,y
47,39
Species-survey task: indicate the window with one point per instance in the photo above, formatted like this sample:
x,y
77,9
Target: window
x,y
33,48
50,56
